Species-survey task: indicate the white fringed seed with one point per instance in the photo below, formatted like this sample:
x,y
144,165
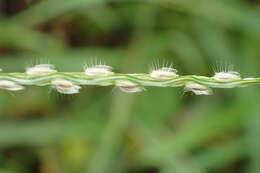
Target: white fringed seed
x,y
65,86
98,70
197,89
41,69
227,76
164,73
128,86
10,85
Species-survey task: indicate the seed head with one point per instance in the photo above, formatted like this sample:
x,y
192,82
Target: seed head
x,y
164,73
227,76
197,89
41,69
65,86
10,85
98,70
128,86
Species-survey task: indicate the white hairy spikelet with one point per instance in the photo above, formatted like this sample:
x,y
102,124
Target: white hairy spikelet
x,y
98,70
128,86
197,89
164,73
65,86
227,76
249,78
41,69
10,85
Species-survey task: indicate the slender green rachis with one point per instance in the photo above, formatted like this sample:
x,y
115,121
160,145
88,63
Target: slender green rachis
x,y
102,75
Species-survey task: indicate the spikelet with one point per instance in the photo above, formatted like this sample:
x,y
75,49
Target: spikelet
x,y
65,86
197,89
41,69
226,76
98,70
10,85
128,86
164,73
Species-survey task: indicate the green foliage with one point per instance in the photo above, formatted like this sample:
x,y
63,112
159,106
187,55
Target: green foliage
x,y
103,130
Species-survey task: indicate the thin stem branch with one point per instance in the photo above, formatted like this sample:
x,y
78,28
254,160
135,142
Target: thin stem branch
x,y
80,78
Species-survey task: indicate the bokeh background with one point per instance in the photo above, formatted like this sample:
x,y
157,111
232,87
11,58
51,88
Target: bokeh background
x,y
102,130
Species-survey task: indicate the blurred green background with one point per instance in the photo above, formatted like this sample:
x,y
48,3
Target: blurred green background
x,y
102,130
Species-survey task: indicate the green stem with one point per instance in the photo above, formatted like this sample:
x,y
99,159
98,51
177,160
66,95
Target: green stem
x,y
142,79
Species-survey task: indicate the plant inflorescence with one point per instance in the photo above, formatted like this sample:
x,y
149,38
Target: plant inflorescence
x,y
102,75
